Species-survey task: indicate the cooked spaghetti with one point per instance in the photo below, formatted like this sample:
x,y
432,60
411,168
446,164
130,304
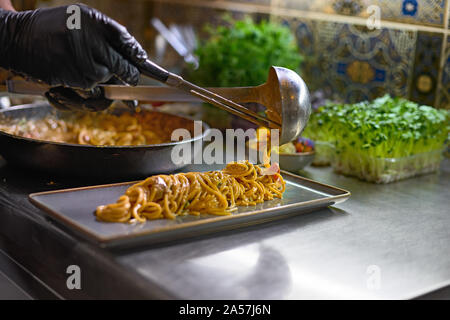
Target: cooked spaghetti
x,y
214,192
100,129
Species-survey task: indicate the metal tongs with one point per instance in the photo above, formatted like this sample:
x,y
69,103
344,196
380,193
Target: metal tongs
x,y
154,71
284,93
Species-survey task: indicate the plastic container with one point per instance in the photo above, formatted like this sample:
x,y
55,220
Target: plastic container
x,y
325,152
386,170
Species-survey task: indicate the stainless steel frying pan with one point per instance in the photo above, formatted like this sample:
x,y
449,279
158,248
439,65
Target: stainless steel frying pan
x,y
84,160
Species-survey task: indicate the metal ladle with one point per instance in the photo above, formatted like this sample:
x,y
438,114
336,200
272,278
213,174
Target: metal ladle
x,y
284,91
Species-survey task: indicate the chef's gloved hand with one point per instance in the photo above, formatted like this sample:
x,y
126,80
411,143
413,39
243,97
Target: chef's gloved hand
x,y
40,45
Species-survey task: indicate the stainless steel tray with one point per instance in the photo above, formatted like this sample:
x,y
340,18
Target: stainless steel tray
x,y
74,209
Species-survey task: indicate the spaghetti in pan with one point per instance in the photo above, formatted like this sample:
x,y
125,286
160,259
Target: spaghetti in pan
x,y
214,192
99,129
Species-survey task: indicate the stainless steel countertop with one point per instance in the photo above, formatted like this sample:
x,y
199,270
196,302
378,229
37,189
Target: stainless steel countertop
x,y
386,241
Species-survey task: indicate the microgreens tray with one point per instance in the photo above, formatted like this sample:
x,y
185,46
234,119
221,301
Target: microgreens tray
x,y
381,141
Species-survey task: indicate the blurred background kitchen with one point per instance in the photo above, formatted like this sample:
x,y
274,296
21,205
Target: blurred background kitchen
x,y
340,58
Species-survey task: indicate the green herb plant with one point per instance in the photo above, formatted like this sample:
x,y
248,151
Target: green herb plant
x,y
241,52
384,140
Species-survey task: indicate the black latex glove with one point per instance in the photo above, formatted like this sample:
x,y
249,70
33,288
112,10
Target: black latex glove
x,y
67,99
39,44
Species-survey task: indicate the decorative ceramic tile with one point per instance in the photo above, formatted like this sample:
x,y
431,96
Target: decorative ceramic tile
x,y
428,12
346,7
444,98
448,15
426,68
354,62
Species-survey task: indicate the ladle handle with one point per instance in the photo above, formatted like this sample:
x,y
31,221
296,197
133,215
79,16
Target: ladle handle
x,y
152,70
145,93
239,94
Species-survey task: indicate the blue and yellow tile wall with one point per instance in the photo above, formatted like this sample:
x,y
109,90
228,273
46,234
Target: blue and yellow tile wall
x,y
426,12
354,62
407,56
425,77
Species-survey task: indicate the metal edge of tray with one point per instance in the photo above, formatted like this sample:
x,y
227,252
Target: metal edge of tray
x,y
195,228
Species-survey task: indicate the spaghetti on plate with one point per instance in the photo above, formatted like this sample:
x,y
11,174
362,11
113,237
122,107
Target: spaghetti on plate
x,y
213,192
